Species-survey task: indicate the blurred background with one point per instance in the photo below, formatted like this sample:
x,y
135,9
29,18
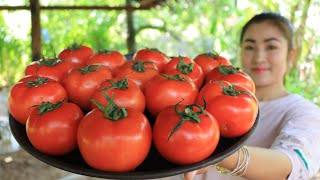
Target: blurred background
x,y
185,27
30,29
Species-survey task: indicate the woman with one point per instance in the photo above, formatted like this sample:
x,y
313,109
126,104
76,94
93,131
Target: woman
x,y
284,145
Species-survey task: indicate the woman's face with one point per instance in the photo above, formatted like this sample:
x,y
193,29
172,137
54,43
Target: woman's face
x,y
264,54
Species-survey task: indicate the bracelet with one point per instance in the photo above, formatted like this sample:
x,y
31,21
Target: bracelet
x,y
241,168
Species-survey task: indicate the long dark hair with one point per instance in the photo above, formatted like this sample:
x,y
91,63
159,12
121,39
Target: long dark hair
x,y
275,19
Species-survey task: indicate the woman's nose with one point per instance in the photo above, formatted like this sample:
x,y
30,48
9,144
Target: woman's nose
x,y
259,56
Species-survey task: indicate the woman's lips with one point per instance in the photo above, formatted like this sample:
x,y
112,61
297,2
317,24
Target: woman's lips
x,y
259,70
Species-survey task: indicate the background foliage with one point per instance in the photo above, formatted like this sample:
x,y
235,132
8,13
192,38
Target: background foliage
x,y
186,27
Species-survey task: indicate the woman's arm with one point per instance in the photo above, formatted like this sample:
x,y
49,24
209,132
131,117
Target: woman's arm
x,y
263,164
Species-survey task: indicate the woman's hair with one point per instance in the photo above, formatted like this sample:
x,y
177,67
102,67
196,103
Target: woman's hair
x,y
275,19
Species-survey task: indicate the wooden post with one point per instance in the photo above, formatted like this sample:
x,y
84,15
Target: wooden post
x,y
35,30
131,42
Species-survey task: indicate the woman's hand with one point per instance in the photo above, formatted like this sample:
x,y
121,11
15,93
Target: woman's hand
x,y
190,175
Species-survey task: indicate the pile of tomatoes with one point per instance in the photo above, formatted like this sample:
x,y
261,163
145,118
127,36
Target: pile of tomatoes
x,y
113,108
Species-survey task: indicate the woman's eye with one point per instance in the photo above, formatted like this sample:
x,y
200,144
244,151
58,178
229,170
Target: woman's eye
x,y
271,47
248,48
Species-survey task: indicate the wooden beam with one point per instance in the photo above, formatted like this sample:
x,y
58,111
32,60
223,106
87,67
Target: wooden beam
x,y
131,33
145,6
35,29
14,7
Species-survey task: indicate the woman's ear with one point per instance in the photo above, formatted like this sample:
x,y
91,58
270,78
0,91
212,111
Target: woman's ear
x,y
291,55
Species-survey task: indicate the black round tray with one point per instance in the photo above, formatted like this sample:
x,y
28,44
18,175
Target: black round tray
x,y
153,167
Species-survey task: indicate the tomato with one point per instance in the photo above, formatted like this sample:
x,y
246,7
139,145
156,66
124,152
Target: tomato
x,y
31,91
235,109
210,90
185,134
186,66
111,59
231,74
208,61
138,71
82,83
52,68
152,55
52,128
164,90
76,54
125,92
114,138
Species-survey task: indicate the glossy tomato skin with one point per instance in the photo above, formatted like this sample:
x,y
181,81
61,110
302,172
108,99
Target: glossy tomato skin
x,y
76,55
56,72
240,78
140,78
235,114
209,61
196,74
80,87
152,55
161,92
55,132
22,97
210,90
112,59
116,146
191,143
132,97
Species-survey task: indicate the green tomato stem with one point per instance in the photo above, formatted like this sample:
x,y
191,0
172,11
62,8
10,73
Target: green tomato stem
x,y
112,111
183,67
188,114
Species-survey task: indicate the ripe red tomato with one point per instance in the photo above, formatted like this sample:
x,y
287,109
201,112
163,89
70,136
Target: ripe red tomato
x,y
152,55
164,90
233,75
76,54
52,128
111,59
235,109
210,90
185,134
186,66
52,68
125,92
31,91
208,61
82,83
138,71
117,140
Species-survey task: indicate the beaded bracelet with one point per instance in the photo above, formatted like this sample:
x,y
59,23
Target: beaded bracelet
x,y
241,168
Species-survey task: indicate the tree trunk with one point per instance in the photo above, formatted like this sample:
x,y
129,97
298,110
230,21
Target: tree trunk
x,y
299,34
131,42
35,30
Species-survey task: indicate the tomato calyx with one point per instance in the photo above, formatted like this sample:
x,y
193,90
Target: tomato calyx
x,y
50,62
212,55
90,68
37,82
188,114
231,91
176,77
75,46
139,66
225,70
120,84
112,111
104,51
183,67
45,107
155,50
